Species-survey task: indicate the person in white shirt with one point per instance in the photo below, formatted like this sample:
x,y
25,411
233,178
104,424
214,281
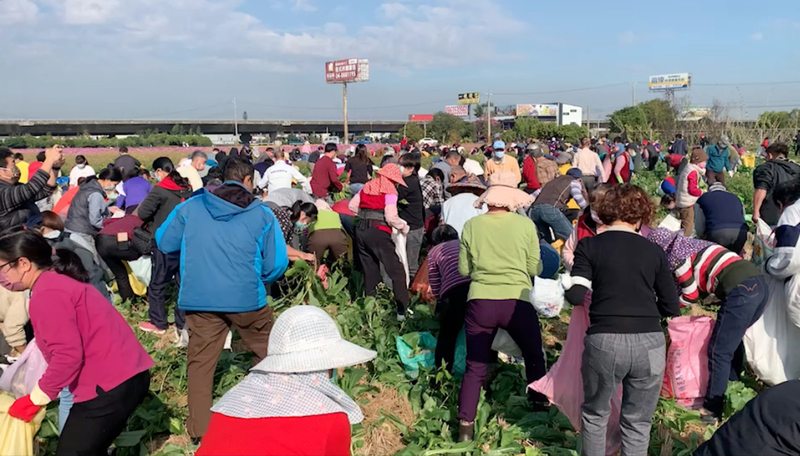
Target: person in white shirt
x,y
281,174
81,169
190,170
590,165
459,208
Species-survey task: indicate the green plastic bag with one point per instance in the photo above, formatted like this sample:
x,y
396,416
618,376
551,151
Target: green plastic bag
x,y
417,350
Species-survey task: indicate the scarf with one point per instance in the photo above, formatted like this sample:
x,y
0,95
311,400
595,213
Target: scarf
x,y
272,395
170,184
380,185
677,247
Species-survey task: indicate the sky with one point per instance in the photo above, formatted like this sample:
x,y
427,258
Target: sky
x,y
189,59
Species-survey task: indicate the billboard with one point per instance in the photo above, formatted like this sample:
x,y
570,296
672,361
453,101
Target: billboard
x,y
537,110
670,81
469,98
457,110
420,117
350,70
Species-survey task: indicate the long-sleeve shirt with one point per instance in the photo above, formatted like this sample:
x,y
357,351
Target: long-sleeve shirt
x,y
98,210
13,316
432,192
715,270
389,211
85,341
20,197
324,177
505,164
280,175
189,172
717,158
529,174
443,272
500,253
631,282
135,190
588,162
694,187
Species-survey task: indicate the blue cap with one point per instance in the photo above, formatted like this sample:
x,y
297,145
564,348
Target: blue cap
x,y
499,145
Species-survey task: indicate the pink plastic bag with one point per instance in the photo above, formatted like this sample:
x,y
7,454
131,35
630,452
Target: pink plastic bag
x,y
563,384
21,377
686,376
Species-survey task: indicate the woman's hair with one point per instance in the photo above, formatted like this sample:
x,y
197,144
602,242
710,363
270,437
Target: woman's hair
x,y
110,173
411,160
214,172
165,164
388,159
308,208
362,154
51,220
626,203
130,174
436,173
81,160
598,193
33,246
443,233
666,200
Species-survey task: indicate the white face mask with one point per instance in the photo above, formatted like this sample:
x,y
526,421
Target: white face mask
x,y
81,166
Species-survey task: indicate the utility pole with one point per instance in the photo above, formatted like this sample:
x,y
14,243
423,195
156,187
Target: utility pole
x,y
588,122
633,94
344,109
235,123
489,117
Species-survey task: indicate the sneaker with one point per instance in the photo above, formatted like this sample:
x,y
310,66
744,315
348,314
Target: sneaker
x,y
466,432
148,327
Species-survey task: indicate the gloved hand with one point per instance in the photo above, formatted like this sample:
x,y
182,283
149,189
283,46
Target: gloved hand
x,y
23,409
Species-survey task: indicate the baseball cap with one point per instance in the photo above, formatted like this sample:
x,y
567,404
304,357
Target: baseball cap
x,y
499,145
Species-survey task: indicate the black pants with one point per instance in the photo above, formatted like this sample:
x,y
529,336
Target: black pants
x,y
450,310
93,425
114,253
375,247
165,267
730,238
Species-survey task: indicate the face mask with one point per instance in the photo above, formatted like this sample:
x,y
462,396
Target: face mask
x,y
158,177
81,166
702,165
113,195
499,154
9,285
301,225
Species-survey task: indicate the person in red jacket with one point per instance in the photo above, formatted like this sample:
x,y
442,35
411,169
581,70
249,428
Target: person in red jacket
x,y
287,405
325,176
529,170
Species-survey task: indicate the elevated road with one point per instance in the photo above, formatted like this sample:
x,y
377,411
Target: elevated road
x,y
210,127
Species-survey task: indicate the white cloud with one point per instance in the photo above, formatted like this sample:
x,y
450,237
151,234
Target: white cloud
x,y
18,12
89,11
627,38
394,10
304,5
757,36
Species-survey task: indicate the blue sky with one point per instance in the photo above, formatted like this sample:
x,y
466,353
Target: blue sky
x,y
188,59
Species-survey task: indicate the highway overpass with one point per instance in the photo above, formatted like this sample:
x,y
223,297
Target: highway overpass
x,y
210,127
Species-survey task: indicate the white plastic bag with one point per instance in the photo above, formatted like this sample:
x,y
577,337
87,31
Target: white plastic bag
x,y
671,223
503,343
400,247
771,343
142,269
763,244
547,297
21,377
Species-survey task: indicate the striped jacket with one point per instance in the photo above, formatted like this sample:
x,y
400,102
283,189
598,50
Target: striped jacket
x,y
699,272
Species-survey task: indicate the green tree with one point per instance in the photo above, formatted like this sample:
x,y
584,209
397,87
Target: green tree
x,y
641,119
446,127
479,110
526,127
413,131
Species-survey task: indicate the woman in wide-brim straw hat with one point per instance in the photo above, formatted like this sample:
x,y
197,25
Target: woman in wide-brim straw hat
x,y
287,405
499,251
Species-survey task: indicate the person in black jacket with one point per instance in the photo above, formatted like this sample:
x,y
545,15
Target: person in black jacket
x,y
632,288
18,201
171,190
413,210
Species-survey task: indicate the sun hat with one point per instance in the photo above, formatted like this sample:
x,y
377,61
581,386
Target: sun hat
x,y
392,172
467,184
499,145
503,191
698,156
306,339
564,158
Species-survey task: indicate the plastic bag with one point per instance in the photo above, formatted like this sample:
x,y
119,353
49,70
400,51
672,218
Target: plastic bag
x,y
21,377
771,343
547,297
503,343
563,384
422,284
400,240
416,350
763,244
686,375
142,269
16,436
671,223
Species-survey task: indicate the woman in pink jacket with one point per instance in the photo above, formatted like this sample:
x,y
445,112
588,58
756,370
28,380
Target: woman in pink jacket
x,y
87,344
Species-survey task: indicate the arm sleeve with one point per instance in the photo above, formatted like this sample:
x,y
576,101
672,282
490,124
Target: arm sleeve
x,y
684,277
434,279
147,209
699,221
785,263
582,267
568,251
618,165
301,179
136,162
60,323
464,255
576,191
354,203
16,196
535,256
694,190
762,178
334,177
16,318
515,170
169,236
97,210
264,181
273,252
390,212
666,294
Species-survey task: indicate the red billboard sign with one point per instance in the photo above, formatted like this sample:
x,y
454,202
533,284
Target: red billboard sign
x,y
420,117
340,71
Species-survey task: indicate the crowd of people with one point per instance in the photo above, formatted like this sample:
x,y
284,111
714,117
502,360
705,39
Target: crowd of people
x,y
223,227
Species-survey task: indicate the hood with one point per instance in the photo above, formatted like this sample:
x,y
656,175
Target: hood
x,y
788,166
222,209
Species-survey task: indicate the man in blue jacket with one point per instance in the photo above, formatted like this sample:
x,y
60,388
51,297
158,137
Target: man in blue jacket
x,y
717,160
231,248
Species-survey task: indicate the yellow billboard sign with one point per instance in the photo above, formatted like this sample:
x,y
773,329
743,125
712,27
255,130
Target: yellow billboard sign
x,y
469,98
670,81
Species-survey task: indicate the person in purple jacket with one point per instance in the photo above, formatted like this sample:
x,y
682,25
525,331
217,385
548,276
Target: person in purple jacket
x,y
88,345
134,190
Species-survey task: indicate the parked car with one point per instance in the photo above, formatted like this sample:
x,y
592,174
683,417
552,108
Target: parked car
x,y
364,140
295,141
390,141
428,142
332,139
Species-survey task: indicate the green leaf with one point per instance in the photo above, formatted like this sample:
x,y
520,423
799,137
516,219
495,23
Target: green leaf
x,y
175,426
129,438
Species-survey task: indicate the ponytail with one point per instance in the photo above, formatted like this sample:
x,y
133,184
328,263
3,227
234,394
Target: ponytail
x,y
166,165
179,180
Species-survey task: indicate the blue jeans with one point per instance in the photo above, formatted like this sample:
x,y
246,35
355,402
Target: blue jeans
x,y
546,217
742,307
64,406
355,188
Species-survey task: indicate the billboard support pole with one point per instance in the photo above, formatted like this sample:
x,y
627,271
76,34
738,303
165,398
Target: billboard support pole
x,y
235,124
489,117
344,112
